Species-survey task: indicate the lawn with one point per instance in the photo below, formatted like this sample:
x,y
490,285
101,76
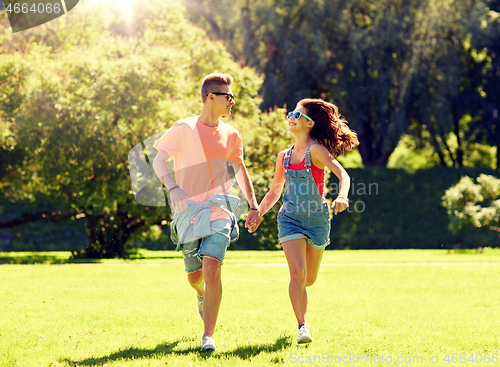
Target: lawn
x,y
367,308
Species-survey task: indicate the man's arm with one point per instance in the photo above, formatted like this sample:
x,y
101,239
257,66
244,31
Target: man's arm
x,y
244,181
178,196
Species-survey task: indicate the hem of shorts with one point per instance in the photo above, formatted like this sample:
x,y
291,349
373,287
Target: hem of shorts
x,y
291,237
297,236
319,247
192,271
212,256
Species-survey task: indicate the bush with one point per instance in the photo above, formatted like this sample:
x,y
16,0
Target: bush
x,y
477,205
397,209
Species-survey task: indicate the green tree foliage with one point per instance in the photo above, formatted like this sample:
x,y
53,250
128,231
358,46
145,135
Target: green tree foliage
x,y
415,151
385,63
263,143
476,204
78,93
487,123
450,101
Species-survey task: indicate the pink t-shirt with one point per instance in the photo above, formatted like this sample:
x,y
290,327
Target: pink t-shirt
x,y
201,155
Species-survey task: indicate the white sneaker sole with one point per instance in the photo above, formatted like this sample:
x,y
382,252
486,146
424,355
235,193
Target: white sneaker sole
x,y
304,340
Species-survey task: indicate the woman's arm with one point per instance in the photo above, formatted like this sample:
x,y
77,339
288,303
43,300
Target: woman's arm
x,y
276,189
274,192
322,158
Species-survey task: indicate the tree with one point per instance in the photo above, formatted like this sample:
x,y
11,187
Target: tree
x,y
486,128
81,99
476,204
384,64
448,96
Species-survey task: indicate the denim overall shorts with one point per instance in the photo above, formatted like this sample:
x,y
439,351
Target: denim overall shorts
x,y
303,213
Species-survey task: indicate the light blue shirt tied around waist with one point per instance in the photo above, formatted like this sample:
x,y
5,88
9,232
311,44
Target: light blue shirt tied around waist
x,y
181,223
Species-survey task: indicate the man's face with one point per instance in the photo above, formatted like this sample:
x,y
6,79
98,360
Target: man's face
x,y
222,103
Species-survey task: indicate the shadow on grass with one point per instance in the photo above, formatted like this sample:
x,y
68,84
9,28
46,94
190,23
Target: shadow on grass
x,y
5,259
41,259
170,349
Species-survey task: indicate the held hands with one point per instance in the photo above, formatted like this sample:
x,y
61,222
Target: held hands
x,y
253,220
340,204
178,199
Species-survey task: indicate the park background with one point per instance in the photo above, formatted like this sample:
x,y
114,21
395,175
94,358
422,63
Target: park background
x,y
419,81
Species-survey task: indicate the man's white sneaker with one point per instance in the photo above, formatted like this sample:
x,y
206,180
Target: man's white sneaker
x,y
304,334
200,305
208,343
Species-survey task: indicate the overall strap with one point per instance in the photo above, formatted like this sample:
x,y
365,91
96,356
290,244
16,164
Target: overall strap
x,y
308,155
286,162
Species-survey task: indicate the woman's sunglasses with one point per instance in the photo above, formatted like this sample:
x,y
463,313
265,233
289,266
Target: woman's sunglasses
x,y
296,116
229,96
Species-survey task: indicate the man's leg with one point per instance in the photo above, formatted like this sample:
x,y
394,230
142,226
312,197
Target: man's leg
x,y
193,263
213,293
213,249
196,281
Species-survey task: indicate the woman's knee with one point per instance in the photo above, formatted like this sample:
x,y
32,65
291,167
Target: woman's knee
x,y
310,280
298,274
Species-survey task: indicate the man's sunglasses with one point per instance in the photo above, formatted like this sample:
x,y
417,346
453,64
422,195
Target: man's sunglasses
x,y
296,116
229,96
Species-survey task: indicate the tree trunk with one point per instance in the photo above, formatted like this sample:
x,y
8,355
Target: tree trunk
x,y
437,147
108,235
460,152
371,148
33,217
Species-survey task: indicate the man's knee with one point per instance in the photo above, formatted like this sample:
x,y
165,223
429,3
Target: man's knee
x,y
211,269
195,277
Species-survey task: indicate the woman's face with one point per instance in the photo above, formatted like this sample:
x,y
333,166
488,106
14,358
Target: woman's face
x,y
300,123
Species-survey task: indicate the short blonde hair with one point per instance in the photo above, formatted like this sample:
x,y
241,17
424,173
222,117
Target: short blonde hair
x,y
213,83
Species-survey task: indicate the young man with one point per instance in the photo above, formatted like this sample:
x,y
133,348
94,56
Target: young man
x,y
202,147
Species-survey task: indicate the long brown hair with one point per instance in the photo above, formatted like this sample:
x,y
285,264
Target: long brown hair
x,y
330,128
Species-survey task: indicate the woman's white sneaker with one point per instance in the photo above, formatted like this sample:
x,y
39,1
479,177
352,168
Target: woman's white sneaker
x,y
304,334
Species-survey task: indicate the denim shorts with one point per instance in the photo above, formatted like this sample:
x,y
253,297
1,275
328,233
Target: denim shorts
x,y
314,227
214,245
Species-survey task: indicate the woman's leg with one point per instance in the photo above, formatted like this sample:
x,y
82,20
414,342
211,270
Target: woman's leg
x,y
303,263
313,261
295,252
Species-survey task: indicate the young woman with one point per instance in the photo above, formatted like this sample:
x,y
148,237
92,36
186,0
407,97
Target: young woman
x,y
320,134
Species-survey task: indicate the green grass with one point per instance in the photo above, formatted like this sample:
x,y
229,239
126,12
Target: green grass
x,y
484,255
143,312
